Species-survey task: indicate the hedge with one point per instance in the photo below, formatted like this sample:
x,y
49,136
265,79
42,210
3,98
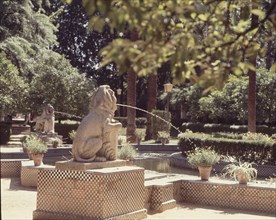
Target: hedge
x,y
209,128
246,150
140,122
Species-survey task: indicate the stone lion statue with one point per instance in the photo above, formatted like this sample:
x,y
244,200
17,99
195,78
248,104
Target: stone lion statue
x,y
46,121
97,135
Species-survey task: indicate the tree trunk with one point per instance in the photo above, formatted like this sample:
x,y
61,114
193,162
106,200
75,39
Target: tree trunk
x,y
151,103
252,88
131,99
252,100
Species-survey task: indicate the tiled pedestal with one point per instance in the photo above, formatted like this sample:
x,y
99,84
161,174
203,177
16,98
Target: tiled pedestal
x,y
107,193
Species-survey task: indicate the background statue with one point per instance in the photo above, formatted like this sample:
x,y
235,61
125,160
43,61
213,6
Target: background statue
x,y
46,122
97,135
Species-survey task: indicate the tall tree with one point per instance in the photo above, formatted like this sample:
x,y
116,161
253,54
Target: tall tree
x,y
82,46
27,36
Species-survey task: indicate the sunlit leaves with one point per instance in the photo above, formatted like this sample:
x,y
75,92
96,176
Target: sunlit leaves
x,y
261,14
204,41
13,88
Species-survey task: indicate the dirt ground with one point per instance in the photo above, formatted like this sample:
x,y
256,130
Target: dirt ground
x,y
18,203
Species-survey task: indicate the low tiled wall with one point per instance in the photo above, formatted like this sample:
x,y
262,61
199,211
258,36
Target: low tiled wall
x,y
11,167
230,195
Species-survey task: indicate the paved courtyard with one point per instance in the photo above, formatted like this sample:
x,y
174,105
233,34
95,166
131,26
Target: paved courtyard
x,y
18,203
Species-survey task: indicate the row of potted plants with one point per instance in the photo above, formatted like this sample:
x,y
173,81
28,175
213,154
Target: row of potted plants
x,y
205,158
35,148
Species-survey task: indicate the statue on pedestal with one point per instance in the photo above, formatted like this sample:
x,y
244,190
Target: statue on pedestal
x,y
46,121
97,135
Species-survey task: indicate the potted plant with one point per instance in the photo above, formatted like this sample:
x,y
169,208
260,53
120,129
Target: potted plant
x,y
139,136
242,172
203,159
36,147
163,137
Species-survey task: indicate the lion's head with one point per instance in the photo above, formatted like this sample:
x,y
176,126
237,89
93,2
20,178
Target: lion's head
x,y
104,99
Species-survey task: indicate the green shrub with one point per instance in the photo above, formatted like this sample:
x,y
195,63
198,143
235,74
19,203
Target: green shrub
x,y
211,128
72,134
127,151
34,144
140,122
258,151
204,157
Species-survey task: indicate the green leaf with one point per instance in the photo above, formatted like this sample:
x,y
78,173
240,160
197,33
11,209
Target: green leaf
x,y
250,66
203,17
273,67
193,15
67,1
259,13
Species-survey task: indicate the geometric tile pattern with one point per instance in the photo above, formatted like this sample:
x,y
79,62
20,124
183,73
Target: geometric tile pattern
x,y
93,194
28,176
10,168
160,197
177,190
235,196
29,173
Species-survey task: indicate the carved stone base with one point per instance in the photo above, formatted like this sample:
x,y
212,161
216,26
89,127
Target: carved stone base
x,y
108,193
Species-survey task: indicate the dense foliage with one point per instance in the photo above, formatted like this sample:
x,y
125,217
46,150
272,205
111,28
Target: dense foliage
x,y
203,40
229,105
31,72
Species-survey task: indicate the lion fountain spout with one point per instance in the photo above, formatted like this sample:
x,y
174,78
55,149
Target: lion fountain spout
x,y
97,135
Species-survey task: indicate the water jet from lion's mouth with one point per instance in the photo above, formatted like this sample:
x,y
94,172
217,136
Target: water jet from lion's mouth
x,y
143,110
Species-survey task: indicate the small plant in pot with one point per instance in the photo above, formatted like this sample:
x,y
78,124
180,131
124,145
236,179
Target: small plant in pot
x,y
37,148
203,159
242,172
139,136
163,137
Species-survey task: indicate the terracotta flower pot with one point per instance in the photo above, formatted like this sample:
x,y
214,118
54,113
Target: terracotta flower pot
x,y
242,178
38,158
204,172
30,155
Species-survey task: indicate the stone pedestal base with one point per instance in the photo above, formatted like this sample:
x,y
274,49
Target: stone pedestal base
x,y
108,193
29,172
